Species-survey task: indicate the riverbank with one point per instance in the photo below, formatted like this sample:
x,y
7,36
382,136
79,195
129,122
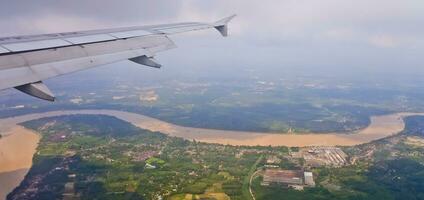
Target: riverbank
x,y
16,150
18,145
380,127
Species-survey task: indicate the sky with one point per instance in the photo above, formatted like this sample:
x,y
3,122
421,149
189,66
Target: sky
x,y
358,38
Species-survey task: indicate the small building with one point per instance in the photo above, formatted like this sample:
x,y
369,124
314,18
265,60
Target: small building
x,y
273,160
324,156
309,179
149,166
284,177
296,187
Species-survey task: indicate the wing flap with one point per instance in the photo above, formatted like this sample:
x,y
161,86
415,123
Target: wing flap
x,y
90,39
181,29
129,34
3,50
42,44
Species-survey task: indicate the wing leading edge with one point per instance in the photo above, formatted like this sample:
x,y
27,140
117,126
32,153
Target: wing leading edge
x,y
25,61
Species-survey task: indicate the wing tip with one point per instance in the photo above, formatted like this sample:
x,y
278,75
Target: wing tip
x,y
222,25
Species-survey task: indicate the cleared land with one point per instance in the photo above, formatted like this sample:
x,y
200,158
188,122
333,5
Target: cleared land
x,y
18,144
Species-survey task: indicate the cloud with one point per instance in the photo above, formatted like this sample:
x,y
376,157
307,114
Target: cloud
x,y
319,34
340,33
384,41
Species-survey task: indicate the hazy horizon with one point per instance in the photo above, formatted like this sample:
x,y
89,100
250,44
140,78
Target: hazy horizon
x,y
350,39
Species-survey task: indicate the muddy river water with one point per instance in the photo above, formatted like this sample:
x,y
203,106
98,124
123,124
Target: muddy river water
x,y
18,145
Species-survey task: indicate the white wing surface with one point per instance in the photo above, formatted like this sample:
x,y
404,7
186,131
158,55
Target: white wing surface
x,y
25,61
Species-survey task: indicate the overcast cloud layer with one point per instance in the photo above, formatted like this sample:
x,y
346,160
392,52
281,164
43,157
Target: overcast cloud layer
x,y
332,36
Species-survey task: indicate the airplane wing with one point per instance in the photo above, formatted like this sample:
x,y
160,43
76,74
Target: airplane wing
x,y
25,61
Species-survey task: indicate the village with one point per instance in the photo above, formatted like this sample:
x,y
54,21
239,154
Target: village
x,y
298,173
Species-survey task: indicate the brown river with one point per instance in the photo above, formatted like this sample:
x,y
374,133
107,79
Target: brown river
x,y
18,145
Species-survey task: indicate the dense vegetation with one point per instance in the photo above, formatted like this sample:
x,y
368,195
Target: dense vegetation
x,y
414,125
239,105
112,159
391,169
396,179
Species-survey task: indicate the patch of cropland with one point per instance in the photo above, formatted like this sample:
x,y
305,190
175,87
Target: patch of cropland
x,y
397,177
250,107
102,157
391,168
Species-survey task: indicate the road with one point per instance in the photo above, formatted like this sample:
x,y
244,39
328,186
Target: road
x,y
16,137
247,184
250,184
